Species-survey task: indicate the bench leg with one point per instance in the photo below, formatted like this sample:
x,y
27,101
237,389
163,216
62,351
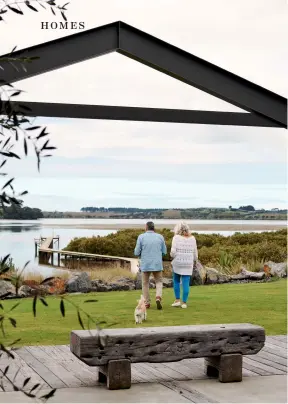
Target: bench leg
x,y
117,373
227,366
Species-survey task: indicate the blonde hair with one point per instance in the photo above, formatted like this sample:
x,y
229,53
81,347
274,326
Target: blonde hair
x,y
182,229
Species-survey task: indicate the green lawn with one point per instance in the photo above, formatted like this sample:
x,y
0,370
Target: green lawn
x,y
263,304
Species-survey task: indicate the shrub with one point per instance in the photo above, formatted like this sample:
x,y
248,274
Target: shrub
x,y
214,249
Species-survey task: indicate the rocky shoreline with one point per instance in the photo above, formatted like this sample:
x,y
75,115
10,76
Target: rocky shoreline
x,y
81,283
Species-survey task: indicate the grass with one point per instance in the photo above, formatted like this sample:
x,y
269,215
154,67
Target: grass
x,y
258,303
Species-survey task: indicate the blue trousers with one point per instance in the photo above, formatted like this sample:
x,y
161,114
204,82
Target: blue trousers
x,y
185,285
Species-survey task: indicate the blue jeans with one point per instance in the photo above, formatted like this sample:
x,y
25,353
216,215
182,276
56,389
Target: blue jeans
x,y
185,285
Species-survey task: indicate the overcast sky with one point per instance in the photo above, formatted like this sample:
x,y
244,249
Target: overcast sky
x,y
112,163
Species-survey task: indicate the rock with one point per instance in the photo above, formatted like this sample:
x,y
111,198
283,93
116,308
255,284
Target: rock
x,y
7,289
277,269
199,275
238,277
138,281
125,284
253,275
213,277
79,283
122,286
125,280
96,282
167,283
99,286
26,291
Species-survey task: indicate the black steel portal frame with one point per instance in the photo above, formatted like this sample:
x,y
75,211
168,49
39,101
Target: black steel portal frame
x,y
264,108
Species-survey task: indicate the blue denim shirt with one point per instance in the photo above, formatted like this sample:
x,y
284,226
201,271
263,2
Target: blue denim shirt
x,y
150,247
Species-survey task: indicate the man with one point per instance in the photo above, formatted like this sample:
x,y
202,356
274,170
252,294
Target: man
x,y
151,247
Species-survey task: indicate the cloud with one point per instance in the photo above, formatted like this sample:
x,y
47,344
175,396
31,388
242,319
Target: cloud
x,y
176,143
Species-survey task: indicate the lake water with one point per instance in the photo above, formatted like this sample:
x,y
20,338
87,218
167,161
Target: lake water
x,y
17,237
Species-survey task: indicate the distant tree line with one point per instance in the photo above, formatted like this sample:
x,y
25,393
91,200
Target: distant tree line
x,y
245,212
18,212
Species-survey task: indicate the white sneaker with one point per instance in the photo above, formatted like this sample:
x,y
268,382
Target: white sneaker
x,y
176,304
184,306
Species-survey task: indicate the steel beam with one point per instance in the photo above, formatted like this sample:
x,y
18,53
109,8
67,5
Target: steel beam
x,y
163,57
63,52
117,113
201,74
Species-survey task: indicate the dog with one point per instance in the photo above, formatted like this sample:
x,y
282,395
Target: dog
x,y
140,313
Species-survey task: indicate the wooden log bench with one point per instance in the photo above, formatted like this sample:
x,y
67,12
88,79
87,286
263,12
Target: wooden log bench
x,y
113,350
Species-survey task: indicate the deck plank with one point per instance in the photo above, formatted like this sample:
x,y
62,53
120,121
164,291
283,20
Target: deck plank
x,y
153,372
282,338
19,371
146,376
191,371
186,391
171,373
256,370
86,376
44,372
269,369
272,350
272,358
268,362
278,342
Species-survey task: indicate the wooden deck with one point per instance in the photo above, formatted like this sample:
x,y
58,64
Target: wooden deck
x,y
56,367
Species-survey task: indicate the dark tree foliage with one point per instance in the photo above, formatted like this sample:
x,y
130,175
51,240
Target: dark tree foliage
x,y
248,208
18,212
18,137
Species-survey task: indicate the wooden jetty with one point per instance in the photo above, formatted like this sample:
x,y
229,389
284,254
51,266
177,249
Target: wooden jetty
x,y
57,367
44,249
45,242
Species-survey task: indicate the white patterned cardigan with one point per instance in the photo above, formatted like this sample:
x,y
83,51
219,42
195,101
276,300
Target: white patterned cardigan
x,y
184,253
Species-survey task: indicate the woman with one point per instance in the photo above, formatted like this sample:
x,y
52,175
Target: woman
x,y
184,253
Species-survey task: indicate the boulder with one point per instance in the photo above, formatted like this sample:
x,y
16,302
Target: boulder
x,y
100,286
213,277
167,283
277,269
122,286
97,285
7,289
138,281
252,275
238,277
125,284
199,275
26,291
79,283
